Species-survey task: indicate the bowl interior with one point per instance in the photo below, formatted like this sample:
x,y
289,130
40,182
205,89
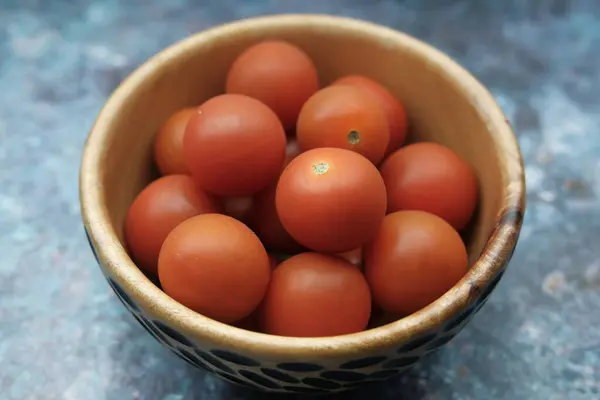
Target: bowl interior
x,y
439,108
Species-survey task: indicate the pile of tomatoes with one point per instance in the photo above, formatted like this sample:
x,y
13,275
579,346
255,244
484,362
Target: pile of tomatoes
x,y
296,210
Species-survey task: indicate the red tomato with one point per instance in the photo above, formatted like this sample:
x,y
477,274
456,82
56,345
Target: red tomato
x,y
354,257
250,323
414,259
273,261
168,143
157,210
216,266
292,150
278,74
391,106
234,146
344,116
265,222
380,317
239,208
314,295
331,200
432,178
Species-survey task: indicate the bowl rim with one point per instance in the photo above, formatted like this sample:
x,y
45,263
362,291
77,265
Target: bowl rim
x,y
488,266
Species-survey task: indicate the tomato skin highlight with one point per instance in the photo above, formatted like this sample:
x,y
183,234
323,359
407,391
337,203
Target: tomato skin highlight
x,y
414,259
279,74
234,146
216,266
347,117
430,177
331,200
157,210
168,143
315,295
391,106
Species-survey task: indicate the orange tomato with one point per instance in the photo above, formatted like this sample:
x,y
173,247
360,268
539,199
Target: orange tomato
x,y
239,208
292,150
249,323
414,259
157,210
278,74
265,222
315,295
216,266
273,261
331,200
168,143
234,145
391,106
346,117
354,257
432,178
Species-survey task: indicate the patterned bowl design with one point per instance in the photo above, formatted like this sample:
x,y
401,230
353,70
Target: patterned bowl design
x,y
300,377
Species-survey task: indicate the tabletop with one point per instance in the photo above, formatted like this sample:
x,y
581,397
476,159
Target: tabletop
x,y
64,335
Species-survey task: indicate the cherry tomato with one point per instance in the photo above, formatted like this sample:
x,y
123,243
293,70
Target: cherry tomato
x,y
278,74
216,266
391,106
265,222
157,210
292,150
250,323
347,117
331,200
354,257
168,144
431,177
234,146
379,317
315,295
414,259
273,261
239,208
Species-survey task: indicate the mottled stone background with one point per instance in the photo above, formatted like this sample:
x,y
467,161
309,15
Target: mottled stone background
x,y
64,335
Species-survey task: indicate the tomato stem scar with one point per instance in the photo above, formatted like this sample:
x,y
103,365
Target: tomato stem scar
x,y
320,168
354,137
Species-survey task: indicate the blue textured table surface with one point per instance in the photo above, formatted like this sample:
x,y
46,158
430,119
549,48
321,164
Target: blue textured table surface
x,y
64,335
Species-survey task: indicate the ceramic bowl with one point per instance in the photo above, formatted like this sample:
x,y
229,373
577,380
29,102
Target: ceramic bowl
x,y
445,104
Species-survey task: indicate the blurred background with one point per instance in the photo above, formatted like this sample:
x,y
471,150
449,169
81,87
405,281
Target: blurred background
x,y
63,334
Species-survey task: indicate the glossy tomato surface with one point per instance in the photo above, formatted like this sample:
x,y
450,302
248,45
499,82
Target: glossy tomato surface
x,y
347,117
278,74
431,177
315,295
414,259
157,210
168,143
234,146
216,266
331,200
391,106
